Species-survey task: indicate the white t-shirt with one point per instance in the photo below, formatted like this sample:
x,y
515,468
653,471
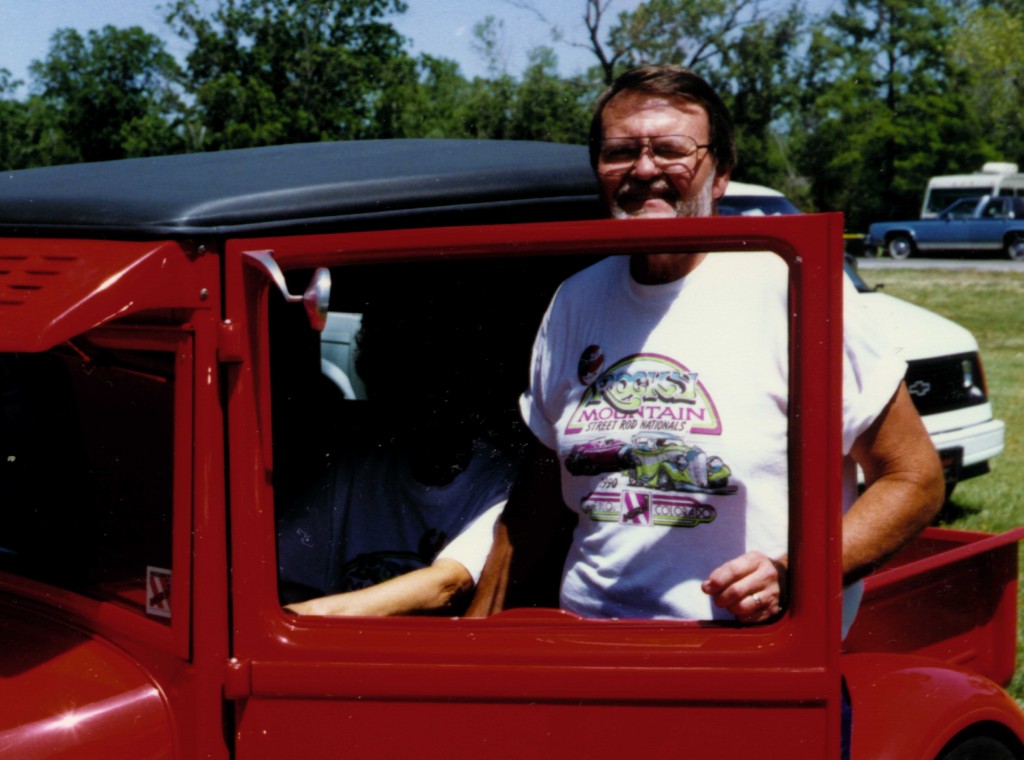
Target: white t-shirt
x,y
368,520
667,407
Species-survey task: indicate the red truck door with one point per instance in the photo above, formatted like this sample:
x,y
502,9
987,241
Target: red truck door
x,y
530,682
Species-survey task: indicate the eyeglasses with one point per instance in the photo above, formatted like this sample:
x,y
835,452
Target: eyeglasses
x,y
672,154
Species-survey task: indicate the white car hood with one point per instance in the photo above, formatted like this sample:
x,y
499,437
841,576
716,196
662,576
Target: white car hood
x,y
914,332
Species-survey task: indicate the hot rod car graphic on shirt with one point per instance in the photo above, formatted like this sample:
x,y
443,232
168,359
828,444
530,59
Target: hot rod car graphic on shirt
x,y
662,461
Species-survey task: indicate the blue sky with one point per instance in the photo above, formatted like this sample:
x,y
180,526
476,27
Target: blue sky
x,y
440,27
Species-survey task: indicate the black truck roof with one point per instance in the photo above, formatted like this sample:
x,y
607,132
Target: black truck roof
x,y
303,188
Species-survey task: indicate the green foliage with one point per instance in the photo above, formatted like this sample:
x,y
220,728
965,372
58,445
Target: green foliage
x,y
439,102
12,128
278,71
883,108
549,108
757,77
988,47
426,102
685,32
108,95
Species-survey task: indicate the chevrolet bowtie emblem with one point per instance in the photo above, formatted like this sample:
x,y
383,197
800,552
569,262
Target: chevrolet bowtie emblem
x,y
920,388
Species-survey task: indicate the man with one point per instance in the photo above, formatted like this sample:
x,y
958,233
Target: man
x,y
681,502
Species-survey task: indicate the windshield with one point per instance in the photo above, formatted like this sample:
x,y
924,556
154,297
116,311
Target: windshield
x,y
961,209
940,198
855,278
755,205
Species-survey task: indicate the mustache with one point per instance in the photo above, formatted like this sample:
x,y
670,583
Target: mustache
x,y
634,188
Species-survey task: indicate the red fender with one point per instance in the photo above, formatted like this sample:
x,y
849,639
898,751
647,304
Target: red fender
x,y
66,693
906,706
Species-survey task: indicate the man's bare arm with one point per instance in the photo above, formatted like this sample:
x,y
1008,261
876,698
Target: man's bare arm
x,y
904,488
429,589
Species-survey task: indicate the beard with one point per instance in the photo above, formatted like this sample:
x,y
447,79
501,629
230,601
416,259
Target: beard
x,y
631,192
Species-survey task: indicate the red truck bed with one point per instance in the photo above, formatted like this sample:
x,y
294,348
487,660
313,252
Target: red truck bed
x,y
950,595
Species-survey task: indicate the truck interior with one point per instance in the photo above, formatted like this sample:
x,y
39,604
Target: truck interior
x,y
485,314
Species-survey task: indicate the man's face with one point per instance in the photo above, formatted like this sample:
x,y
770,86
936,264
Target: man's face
x,y
645,191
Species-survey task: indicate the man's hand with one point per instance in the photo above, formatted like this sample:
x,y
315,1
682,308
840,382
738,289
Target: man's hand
x,y
750,587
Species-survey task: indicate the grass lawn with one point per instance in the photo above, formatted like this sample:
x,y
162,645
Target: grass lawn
x,y
991,305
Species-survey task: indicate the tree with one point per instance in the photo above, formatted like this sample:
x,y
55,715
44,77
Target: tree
x,y
440,102
426,102
593,19
882,108
11,123
264,72
490,43
988,49
486,112
105,96
686,32
547,107
690,33
757,76
538,106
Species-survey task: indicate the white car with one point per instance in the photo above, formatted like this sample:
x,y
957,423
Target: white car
x,y
944,376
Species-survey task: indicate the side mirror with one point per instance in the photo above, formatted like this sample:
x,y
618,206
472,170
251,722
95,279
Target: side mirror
x,y
317,296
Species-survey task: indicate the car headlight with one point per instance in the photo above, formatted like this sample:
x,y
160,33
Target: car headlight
x,y
972,381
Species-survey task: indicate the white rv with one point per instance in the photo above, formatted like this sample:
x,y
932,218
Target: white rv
x,y
995,178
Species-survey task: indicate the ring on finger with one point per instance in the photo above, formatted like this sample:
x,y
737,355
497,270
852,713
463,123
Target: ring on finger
x,y
757,599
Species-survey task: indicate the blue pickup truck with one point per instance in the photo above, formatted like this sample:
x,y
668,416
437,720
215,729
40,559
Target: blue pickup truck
x,y
970,225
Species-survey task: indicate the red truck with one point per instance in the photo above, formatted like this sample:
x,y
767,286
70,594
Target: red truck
x,y
163,394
